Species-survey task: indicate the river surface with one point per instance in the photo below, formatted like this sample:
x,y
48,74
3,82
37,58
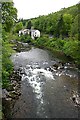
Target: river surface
x,y
46,90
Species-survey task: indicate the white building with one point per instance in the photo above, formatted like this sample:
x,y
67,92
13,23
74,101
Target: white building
x,y
34,33
24,32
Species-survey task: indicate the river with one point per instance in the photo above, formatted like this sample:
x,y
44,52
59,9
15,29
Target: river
x,y
47,86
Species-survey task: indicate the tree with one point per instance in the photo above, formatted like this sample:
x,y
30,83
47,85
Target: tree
x,y
29,25
67,18
9,15
64,25
60,27
75,26
18,27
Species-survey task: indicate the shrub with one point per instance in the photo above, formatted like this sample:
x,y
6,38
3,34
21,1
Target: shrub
x,y
7,66
71,48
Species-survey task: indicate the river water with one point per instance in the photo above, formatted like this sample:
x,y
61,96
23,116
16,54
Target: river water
x,y
47,86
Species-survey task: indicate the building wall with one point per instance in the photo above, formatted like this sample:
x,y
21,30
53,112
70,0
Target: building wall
x,y
34,33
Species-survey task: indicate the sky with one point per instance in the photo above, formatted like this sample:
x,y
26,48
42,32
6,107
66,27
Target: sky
x,y
33,8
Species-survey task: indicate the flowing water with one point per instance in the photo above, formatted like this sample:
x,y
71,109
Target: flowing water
x,y
46,90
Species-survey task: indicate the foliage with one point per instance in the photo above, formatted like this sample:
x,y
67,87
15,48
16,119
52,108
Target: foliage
x,y
7,66
18,27
29,25
9,15
71,48
75,26
58,23
63,26
24,38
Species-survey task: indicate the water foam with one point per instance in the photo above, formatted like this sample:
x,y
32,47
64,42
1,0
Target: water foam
x,y
44,72
36,77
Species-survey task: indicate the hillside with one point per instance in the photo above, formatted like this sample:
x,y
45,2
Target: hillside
x,y
59,31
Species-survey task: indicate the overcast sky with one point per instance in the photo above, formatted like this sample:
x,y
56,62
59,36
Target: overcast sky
x,y
33,8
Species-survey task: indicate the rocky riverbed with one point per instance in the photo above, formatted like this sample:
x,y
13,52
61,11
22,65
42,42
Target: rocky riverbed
x,y
42,86
11,93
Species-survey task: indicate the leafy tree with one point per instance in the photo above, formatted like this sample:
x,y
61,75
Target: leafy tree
x,y
67,18
73,10
74,26
23,21
71,49
18,27
60,27
9,15
29,25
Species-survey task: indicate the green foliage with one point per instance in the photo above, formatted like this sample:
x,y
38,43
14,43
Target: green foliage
x,y
29,25
23,21
42,40
68,46
9,15
71,48
67,18
18,27
62,26
24,38
7,66
75,26
58,23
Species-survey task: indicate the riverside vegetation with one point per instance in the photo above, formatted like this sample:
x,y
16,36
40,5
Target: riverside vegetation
x,y
59,32
9,15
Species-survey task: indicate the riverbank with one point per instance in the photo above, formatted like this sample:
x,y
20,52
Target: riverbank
x,y
11,88
11,94
67,48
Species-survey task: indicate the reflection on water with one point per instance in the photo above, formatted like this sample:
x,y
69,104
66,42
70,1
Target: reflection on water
x,y
51,87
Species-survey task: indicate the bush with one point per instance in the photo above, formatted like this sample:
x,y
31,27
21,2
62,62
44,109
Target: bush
x,y
71,48
24,38
7,66
41,41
